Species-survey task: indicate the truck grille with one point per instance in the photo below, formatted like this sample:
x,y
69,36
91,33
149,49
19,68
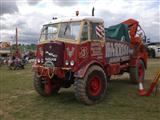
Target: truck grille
x,y
54,52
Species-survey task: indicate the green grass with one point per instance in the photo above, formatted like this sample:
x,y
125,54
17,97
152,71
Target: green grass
x,y
19,101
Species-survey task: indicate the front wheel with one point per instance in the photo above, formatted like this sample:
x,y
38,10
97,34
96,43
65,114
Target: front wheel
x,y
92,88
137,73
40,86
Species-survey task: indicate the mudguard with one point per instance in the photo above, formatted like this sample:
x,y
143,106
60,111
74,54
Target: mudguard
x,y
134,61
80,73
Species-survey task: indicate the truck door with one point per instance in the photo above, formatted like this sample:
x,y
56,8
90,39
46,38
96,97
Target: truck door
x,y
97,41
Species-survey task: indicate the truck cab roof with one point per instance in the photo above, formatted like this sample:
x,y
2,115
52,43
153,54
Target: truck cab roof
x,y
78,18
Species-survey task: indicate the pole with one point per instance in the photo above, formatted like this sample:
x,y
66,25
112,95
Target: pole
x,y
17,40
17,48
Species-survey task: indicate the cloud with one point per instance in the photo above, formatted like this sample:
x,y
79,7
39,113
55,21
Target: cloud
x,y
11,25
8,7
33,2
65,2
28,29
30,16
145,11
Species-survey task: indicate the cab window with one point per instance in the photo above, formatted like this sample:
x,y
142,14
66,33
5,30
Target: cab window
x,y
97,31
69,30
84,35
49,32
93,31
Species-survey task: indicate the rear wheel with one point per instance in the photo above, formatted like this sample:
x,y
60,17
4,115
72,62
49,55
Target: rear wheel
x,y
109,78
137,73
39,85
153,54
91,89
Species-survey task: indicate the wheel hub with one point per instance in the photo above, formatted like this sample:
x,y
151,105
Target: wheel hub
x,y
95,85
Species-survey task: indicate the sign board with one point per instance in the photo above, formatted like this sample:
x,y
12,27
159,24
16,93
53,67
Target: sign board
x,y
117,51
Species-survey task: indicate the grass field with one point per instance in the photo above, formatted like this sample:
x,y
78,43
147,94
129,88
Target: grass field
x,y
19,101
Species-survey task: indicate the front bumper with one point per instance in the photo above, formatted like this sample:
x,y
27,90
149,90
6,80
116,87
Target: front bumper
x,y
48,72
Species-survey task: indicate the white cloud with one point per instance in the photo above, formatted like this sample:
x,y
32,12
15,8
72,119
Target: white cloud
x,y
30,17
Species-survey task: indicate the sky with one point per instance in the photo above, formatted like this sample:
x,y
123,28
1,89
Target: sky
x,y
29,15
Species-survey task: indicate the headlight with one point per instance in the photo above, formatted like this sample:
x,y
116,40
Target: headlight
x,y
38,60
67,62
72,63
35,61
42,60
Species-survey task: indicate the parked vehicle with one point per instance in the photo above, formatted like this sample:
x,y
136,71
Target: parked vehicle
x,y
82,52
154,49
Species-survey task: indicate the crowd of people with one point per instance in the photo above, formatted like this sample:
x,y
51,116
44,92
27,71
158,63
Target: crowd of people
x,y
15,61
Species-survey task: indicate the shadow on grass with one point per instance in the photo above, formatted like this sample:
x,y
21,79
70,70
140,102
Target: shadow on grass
x,y
67,97
63,97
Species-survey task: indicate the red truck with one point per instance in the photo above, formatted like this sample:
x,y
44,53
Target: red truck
x,y
82,52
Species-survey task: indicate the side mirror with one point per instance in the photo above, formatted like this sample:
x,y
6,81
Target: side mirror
x,y
144,39
148,40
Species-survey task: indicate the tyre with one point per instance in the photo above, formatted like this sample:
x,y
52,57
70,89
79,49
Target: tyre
x,y
109,78
92,88
153,54
138,72
39,85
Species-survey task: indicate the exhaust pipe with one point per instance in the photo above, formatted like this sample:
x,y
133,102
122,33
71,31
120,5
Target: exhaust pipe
x,y
93,11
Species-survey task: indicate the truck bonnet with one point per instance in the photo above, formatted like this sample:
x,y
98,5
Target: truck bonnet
x,y
52,52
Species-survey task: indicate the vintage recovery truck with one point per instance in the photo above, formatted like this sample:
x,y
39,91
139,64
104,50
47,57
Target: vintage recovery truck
x,y
82,52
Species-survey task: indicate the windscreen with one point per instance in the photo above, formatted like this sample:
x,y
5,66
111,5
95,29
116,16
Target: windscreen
x,y
49,32
69,30
64,30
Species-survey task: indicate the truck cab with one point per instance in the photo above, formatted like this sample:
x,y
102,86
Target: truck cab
x,y
69,43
